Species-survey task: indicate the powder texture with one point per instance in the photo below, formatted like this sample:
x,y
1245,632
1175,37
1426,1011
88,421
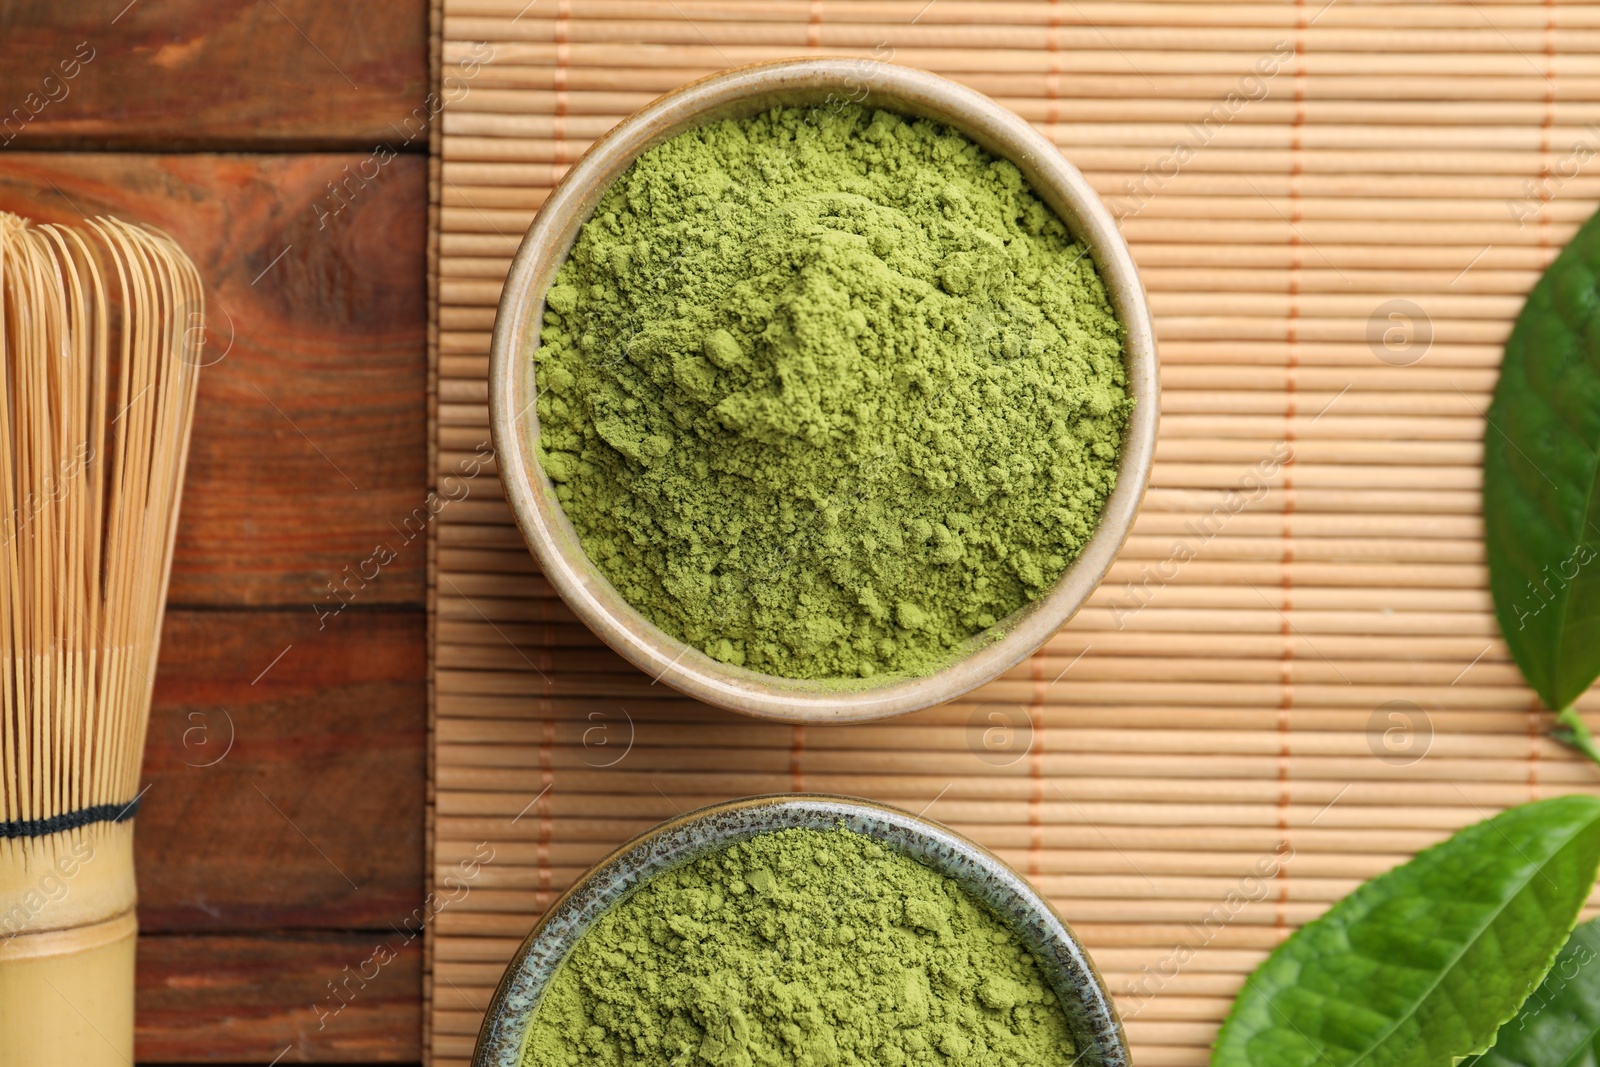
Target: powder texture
x,y
803,947
827,391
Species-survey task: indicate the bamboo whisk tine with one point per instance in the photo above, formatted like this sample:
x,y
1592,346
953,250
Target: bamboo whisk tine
x,y
99,360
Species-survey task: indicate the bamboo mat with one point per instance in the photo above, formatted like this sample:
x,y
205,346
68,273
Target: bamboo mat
x,y
1215,748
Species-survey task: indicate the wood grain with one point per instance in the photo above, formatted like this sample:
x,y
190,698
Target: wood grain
x,y
196,73
309,440
285,770
265,996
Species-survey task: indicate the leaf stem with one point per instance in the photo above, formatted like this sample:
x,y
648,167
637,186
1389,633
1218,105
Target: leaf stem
x,y
1571,732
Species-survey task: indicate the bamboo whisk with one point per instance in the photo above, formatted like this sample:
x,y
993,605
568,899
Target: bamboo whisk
x,y
100,338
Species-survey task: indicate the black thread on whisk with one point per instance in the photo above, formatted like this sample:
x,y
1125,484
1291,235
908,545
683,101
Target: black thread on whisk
x,y
70,821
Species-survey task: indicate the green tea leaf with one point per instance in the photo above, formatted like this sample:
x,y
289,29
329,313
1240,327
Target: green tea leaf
x,y
1559,1025
1421,965
1541,463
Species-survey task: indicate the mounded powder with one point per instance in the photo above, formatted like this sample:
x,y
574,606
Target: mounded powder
x,y
810,948
828,391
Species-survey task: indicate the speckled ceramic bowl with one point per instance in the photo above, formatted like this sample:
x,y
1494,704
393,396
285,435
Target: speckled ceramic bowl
x,y
514,422
1096,1030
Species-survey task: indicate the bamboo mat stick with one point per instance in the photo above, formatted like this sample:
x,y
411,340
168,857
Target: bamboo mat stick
x,y
1309,669
1170,1026
1114,772
1516,713
1197,522
1172,594
1162,864
586,743
1252,419
464,361
670,28
1093,56
576,835
1570,118
899,13
1181,198
503,179
457,1015
1055,86
473,236
487,908
1176,125
1355,305
1516,717
1302,358
1216,158
1096,800
1186,665
1091,907
1325,423
565,632
1325,384
485,949
1157,618
1110,818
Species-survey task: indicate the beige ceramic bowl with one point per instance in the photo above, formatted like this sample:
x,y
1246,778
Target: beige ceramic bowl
x,y
514,421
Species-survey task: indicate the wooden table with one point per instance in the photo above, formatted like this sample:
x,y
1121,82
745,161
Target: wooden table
x,y
281,839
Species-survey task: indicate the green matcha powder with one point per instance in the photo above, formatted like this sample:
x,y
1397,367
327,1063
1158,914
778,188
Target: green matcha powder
x,y
800,947
826,392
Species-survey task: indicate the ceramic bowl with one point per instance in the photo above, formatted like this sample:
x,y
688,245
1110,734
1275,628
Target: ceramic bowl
x,y
1097,1033
515,426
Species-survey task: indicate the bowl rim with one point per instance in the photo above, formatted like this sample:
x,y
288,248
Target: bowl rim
x,y
513,420
1097,1028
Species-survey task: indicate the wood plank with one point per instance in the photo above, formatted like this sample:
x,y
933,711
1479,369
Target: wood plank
x,y
209,73
285,773
309,448
235,999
